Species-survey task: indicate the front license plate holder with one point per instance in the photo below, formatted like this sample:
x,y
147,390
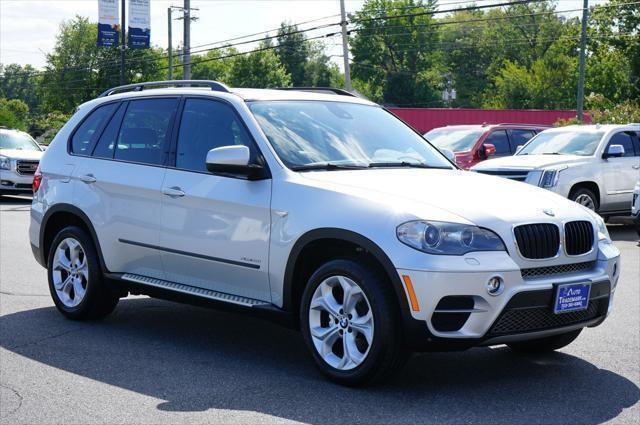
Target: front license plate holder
x,y
572,297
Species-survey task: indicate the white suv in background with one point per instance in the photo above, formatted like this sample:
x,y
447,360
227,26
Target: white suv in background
x,y
19,158
594,165
319,209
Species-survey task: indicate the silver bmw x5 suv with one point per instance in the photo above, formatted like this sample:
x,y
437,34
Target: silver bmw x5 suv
x,y
316,208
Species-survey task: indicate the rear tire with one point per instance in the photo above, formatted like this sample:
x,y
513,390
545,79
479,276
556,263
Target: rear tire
x,y
545,345
76,283
354,339
585,197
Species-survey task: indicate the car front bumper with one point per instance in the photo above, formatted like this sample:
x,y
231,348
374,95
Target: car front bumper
x,y
455,307
12,182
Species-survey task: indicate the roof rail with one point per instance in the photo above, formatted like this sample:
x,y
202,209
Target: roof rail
x,y
329,90
213,85
524,124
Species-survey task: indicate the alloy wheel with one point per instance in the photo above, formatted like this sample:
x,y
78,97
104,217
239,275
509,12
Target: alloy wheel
x,y
341,322
586,201
70,272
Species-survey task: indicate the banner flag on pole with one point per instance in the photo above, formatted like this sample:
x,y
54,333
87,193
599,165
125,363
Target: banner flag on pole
x,y
108,23
139,24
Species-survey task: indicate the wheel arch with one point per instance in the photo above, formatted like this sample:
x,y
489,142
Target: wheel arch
x,y
293,287
59,216
588,184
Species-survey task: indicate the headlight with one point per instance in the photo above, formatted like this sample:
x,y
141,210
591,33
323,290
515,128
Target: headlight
x,y
5,163
437,237
550,177
603,232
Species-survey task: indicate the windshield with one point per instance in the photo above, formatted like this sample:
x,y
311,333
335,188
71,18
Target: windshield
x,y
19,141
456,140
305,134
563,143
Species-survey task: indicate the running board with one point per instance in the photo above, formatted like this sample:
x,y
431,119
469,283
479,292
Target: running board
x,y
192,290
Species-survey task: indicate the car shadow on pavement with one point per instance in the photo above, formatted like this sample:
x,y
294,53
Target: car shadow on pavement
x,y
198,359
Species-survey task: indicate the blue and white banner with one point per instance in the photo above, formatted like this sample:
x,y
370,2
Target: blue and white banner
x,y
139,24
108,23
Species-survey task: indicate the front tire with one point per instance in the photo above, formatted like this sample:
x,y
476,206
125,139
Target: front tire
x,y
350,322
76,283
585,197
545,345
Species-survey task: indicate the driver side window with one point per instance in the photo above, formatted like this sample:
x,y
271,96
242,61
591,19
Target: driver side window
x,y
625,140
208,124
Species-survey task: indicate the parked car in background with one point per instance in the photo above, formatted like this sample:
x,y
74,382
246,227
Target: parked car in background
x,y
593,165
474,143
635,207
19,159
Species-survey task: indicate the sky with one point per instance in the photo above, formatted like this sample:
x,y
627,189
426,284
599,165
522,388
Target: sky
x,y
28,27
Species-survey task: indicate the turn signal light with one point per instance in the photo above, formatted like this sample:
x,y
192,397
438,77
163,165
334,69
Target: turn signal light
x,y
412,295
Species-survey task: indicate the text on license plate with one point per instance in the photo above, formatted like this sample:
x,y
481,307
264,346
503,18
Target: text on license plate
x,y
572,297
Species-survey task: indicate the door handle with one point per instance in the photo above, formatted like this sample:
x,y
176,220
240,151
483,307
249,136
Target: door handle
x,y
88,178
636,167
174,192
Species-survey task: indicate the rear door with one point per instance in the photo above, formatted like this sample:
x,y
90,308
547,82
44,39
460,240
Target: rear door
x,y
215,228
621,174
118,186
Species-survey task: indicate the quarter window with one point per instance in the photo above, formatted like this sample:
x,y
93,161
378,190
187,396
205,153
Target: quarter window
x,y
206,125
86,135
500,140
145,133
520,138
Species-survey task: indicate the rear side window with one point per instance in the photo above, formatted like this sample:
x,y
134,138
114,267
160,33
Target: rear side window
x,y
520,138
625,140
145,130
500,140
106,145
86,135
206,125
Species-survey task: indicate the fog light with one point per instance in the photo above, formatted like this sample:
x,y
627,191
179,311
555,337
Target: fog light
x,y
495,286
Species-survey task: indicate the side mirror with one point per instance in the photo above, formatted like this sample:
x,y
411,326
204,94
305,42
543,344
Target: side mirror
x,y
518,149
234,160
614,151
487,150
449,154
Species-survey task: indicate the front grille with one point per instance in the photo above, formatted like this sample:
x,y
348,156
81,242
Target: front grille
x,y
26,168
557,270
519,175
532,311
578,237
538,241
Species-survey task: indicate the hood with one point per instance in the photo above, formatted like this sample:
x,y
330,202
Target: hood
x,y
20,154
449,194
529,162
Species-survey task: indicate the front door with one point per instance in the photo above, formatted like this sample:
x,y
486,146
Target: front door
x,y
215,229
621,174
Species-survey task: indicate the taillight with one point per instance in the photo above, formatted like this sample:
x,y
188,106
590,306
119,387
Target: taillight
x,y
37,179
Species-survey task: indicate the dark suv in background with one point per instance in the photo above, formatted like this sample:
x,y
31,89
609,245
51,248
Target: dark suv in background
x,y
475,143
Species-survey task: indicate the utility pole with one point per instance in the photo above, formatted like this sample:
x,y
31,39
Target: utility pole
x,y
186,60
583,47
169,48
345,47
123,43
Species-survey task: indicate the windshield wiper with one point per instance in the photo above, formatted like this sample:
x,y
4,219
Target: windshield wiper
x,y
404,164
329,166
552,153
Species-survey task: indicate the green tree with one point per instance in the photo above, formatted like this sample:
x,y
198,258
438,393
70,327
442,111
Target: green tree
x,y
319,71
293,52
13,113
398,53
214,65
77,70
259,69
20,82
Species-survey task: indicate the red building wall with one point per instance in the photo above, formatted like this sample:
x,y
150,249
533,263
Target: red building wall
x,y
424,119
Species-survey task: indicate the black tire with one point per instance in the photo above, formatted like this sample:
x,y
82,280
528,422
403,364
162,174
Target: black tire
x,y
545,345
387,352
583,191
99,299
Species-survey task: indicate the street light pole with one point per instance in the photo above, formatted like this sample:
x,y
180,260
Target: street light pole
x,y
170,48
583,47
345,47
186,59
123,44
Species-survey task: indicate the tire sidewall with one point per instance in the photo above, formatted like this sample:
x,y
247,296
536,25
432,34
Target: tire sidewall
x,y
95,276
384,331
589,193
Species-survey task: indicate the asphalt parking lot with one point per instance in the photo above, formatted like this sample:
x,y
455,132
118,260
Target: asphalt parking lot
x,y
159,362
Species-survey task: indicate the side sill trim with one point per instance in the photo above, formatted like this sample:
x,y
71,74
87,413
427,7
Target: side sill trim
x,y
192,290
190,254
